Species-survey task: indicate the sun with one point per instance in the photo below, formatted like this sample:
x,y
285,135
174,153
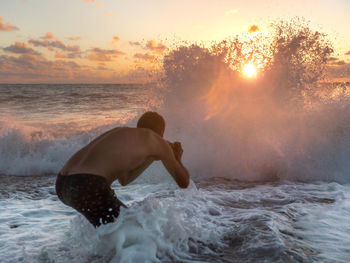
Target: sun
x,y
249,70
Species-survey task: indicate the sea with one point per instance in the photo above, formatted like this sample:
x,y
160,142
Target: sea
x,y
253,196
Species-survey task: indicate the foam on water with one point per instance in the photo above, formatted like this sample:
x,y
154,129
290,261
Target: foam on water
x,y
222,221
29,151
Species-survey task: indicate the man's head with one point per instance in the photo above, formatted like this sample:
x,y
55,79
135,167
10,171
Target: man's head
x,y
152,120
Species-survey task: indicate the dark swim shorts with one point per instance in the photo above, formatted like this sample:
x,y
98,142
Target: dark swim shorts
x,y
90,195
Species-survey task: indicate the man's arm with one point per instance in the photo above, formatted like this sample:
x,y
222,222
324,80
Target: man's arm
x,y
170,155
132,175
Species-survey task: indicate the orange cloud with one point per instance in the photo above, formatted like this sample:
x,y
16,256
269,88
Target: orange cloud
x,y
253,28
339,69
54,44
28,67
154,47
106,55
134,43
48,35
146,56
21,48
338,63
33,69
6,27
74,38
59,54
333,61
115,39
102,66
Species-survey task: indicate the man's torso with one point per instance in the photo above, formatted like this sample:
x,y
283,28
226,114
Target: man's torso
x,y
113,155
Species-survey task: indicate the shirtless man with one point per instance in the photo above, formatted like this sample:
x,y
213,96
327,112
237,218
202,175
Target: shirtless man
x,y
119,154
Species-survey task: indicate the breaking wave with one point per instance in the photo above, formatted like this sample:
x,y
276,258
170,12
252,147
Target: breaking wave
x,y
286,123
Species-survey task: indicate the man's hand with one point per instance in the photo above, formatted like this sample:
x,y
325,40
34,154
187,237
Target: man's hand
x,y
177,149
173,164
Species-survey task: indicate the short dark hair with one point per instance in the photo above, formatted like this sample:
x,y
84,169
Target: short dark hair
x,y
152,120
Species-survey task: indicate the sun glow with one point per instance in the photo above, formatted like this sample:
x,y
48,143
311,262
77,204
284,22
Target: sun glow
x,y
249,70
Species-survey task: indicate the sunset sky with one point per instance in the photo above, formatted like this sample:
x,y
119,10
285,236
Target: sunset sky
x,y
118,41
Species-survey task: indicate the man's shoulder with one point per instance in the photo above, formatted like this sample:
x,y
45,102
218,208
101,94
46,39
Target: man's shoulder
x,y
142,133
147,134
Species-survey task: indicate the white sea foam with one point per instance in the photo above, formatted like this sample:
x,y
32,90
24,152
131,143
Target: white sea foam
x,y
225,221
30,151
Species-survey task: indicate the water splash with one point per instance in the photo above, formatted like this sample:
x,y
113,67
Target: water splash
x,y
273,126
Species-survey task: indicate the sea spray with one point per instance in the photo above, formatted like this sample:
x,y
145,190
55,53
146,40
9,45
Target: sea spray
x,y
268,127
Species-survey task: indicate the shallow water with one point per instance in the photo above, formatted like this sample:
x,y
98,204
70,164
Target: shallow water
x,y
216,221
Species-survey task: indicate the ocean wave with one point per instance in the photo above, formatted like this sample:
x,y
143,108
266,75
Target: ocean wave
x,y
284,124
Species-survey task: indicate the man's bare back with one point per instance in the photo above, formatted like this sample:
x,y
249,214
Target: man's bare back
x,y
120,154
123,154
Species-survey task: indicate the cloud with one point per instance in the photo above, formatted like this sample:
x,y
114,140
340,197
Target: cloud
x,y
6,27
232,12
32,69
61,55
339,69
48,35
253,28
146,56
102,66
21,48
333,61
134,43
54,44
339,63
99,54
115,39
74,38
154,47
28,67
347,53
